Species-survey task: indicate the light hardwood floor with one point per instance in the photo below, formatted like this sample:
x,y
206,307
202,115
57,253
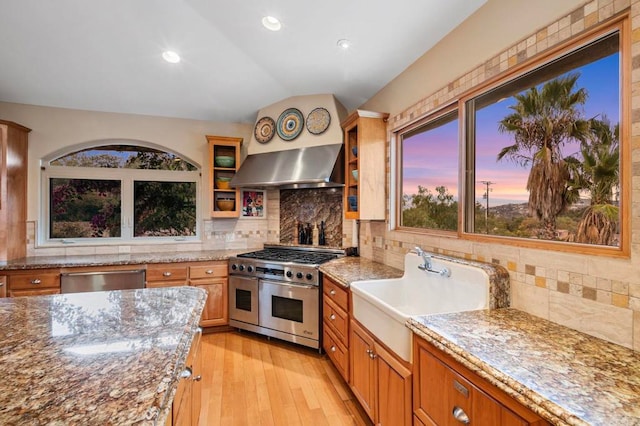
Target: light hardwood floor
x,y
249,380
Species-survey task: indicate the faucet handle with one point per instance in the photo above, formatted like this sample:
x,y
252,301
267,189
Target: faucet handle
x,y
418,251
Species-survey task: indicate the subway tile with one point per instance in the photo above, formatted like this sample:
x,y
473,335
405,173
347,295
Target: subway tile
x,y
603,297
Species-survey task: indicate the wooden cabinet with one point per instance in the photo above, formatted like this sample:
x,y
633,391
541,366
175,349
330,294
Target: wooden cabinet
x,y
187,401
13,190
213,278
335,319
380,381
224,161
167,275
365,168
3,286
33,282
447,393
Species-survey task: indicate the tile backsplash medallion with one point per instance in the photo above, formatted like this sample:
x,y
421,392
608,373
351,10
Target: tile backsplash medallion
x,y
593,294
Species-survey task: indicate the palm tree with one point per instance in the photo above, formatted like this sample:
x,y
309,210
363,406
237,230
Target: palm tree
x,y
541,123
599,174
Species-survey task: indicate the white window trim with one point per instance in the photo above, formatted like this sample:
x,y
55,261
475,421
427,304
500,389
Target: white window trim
x,y
127,177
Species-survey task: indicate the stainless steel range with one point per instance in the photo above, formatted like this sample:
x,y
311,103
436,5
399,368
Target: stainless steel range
x,y
276,292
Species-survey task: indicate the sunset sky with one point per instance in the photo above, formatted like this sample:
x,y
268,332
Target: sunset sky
x,y
431,159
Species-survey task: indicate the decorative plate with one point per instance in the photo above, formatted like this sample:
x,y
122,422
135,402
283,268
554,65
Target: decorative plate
x,y
265,129
290,124
318,121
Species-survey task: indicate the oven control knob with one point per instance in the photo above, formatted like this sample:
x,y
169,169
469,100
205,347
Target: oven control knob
x,y
249,268
309,277
289,274
234,267
241,267
299,275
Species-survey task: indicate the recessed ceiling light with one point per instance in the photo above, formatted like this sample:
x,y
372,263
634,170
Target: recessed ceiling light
x,y
343,43
271,23
171,56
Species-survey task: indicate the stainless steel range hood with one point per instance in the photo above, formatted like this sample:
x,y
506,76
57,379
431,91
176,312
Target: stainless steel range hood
x,y
310,167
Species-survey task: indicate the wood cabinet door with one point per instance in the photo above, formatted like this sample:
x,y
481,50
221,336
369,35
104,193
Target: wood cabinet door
x,y
393,388
215,310
363,373
3,286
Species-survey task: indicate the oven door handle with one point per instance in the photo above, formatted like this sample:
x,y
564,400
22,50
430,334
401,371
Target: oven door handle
x,y
285,284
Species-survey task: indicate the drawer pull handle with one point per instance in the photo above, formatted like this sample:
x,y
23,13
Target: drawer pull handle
x,y
197,378
36,281
1,284
209,272
371,354
332,292
166,274
460,415
333,348
332,317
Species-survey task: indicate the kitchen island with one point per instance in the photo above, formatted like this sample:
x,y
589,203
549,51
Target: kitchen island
x,y
95,358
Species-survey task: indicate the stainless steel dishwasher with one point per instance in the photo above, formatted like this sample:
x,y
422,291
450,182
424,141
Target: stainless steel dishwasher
x,y
81,282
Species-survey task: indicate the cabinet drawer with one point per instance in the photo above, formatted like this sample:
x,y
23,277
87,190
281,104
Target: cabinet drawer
x,y
217,270
337,353
34,280
337,319
167,273
34,292
336,292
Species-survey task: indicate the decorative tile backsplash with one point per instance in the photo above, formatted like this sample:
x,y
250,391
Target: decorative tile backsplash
x,y
311,206
594,294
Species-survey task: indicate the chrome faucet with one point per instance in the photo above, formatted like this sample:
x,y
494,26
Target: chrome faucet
x,y
427,265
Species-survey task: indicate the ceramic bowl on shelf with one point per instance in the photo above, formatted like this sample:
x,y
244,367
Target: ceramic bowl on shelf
x,y
226,204
355,175
223,182
353,202
355,151
224,161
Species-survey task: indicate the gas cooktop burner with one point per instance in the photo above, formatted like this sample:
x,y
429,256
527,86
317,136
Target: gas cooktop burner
x,y
290,255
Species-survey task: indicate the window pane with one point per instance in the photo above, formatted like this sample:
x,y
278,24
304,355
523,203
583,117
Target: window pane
x,y
547,151
124,156
164,209
84,208
430,175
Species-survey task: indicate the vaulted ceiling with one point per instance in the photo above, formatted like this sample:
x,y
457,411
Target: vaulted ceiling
x,y
105,55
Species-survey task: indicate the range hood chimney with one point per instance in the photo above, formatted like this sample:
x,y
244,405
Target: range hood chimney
x,y
310,167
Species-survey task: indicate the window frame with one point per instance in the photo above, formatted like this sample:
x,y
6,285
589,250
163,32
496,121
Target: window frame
x,y
397,149
620,24
127,177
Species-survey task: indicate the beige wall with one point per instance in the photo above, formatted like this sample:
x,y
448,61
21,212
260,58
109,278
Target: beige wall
x,y
305,104
54,129
492,28
594,294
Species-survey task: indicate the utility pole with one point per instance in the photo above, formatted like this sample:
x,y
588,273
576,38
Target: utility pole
x,y
486,197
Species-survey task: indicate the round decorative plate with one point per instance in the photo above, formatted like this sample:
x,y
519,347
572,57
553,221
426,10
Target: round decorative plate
x,y
265,129
290,124
318,121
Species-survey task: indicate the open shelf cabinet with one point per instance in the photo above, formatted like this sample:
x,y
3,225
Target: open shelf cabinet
x,y
226,147
365,153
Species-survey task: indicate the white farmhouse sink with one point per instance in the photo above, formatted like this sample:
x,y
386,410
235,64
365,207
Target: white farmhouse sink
x,y
384,306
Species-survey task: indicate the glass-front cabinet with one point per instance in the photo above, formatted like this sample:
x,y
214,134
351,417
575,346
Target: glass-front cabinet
x,y
224,161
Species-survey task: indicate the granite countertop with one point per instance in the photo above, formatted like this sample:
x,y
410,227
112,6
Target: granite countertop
x,y
95,358
346,270
41,262
567,377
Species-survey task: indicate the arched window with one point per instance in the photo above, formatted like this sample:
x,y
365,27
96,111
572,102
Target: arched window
x,y
119,191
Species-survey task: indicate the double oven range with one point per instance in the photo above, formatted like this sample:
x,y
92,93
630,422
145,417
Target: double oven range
x,y
276,292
